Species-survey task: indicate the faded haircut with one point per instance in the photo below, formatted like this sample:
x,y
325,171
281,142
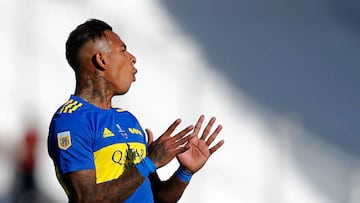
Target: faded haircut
x,y
90,30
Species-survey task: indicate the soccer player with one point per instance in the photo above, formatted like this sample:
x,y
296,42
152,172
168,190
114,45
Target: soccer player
x,y
100,153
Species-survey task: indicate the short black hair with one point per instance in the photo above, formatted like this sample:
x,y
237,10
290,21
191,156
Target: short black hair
x,y
90,30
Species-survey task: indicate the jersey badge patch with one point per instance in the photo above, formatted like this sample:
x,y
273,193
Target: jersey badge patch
x,y
64,140
107,133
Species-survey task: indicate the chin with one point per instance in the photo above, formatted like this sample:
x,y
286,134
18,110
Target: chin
x,y
122,92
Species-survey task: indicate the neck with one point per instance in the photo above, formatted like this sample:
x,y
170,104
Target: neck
x,y
95,90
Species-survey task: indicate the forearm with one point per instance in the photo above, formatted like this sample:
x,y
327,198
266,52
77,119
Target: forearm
x,y
81,186
170,190
131,180
120,189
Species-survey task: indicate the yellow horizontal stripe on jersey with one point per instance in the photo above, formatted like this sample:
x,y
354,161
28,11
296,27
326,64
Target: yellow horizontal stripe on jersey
x,y
113,160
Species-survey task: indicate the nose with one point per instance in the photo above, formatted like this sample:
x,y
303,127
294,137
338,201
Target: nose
x,y
132,58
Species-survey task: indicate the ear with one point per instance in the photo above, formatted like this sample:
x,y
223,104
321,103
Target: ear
x,y
99,60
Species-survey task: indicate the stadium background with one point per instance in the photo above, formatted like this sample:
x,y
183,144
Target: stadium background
x,y
280,75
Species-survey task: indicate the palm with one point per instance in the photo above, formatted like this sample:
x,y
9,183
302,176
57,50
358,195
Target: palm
x,y
196,156
199,152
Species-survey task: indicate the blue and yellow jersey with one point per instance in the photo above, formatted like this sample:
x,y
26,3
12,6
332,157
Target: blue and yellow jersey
x,y
82,136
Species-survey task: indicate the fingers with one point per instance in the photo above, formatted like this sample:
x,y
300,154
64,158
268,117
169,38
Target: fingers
x,y
166,147
179,139
216,147
172,127
198,125
150,136
208,128
214,135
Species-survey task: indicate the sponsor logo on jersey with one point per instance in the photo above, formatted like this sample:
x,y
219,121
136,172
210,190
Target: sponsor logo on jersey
x,y
113,160
64,140
135,131
107,133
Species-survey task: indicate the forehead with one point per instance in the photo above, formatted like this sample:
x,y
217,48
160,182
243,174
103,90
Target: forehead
x,y
113,38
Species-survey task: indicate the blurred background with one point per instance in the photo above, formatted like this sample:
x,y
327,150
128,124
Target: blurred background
x,y
280,76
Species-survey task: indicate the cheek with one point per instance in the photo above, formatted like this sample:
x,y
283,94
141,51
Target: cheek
x,y
120,71
120,76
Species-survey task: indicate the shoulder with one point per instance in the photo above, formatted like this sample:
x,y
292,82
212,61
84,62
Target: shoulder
x,y
73,114
122,111
74,108
74,105
125,114
70,106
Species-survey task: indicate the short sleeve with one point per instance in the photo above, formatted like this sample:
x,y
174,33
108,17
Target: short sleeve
x,y
70,143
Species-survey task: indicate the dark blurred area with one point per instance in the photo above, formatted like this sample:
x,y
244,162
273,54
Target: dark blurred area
x,y
24,189
298,58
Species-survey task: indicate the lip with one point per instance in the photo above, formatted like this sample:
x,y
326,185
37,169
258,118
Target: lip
x,y
134,79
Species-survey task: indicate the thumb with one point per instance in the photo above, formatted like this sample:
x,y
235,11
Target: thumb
x,y
150,136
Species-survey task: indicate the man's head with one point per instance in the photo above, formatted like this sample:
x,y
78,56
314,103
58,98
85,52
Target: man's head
x,y
90,30
94,51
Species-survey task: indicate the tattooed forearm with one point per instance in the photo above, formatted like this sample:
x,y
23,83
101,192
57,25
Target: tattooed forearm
x,y
120,189
82,188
